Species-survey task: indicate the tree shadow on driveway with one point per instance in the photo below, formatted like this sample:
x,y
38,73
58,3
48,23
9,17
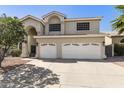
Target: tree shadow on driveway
x,y
28,76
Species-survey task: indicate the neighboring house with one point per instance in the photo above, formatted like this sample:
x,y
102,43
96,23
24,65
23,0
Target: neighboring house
x,y
56,36
110,42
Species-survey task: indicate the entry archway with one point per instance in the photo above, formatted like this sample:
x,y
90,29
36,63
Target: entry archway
x,y
31,41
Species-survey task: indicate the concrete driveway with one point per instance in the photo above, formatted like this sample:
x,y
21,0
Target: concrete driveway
x,y
76,74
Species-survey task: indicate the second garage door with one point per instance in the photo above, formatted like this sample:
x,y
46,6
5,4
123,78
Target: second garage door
x,y
81,51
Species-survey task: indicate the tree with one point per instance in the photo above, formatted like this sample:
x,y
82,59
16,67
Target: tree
x,y
11,33
118,23
120,8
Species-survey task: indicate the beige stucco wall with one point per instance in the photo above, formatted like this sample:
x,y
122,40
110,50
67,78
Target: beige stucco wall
x,y
53,19
108,40
39,28
72,40
67,27
117,39
60,41
71,27
36,24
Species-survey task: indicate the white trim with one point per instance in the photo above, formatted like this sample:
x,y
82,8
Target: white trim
x,y
58,13
68,36
112,49
83,19
116,35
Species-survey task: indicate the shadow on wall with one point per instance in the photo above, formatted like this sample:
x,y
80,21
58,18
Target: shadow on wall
x,y
59,60
119,50
108,50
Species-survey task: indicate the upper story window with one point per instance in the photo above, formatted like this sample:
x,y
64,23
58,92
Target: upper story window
x,y
83,26
54,27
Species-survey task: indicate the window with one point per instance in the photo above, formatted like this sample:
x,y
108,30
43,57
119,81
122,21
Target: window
x,y
43,44
54,27
83,26
85,44
95,44
51,44
66,44
75,44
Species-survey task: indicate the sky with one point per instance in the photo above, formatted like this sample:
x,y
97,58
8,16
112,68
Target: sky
x,y
108,12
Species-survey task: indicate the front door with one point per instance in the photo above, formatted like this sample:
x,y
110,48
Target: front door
x,y
33,51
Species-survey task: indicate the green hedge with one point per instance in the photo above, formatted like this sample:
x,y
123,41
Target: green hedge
x,y
119,49
16,53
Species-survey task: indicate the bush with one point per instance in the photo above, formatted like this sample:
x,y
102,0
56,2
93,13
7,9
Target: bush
x,y
119,50
16,53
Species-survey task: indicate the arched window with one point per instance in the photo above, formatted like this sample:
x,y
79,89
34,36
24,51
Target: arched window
x,y
122,41
54,24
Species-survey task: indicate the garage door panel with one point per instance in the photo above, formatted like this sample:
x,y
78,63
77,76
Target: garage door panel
x,y
83,51
48,51
91,51
67,51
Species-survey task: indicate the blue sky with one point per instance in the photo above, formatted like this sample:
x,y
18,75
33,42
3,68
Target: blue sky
x,y
72,11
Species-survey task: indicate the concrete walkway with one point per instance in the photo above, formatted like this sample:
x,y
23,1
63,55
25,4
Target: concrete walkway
x,y
84,73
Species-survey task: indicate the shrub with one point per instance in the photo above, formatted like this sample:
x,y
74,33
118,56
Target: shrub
x,y
119,50
16,53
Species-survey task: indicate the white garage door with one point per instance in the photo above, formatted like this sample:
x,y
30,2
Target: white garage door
x,y
81,51
48,51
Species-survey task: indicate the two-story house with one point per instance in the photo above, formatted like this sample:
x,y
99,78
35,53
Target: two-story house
x,y
56,36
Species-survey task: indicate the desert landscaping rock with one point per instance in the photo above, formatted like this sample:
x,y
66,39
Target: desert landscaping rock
x,y
28,76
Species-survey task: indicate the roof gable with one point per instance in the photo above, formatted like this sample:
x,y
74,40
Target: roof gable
x,y
32,17
54,12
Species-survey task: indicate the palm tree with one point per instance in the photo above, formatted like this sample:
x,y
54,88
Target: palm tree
x,y
120,8
118,23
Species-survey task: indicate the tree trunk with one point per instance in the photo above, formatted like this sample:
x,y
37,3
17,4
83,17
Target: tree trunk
x,y
2,55
1,60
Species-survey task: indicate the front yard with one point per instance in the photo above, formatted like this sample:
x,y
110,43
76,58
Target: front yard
x,y
12,62
18,74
